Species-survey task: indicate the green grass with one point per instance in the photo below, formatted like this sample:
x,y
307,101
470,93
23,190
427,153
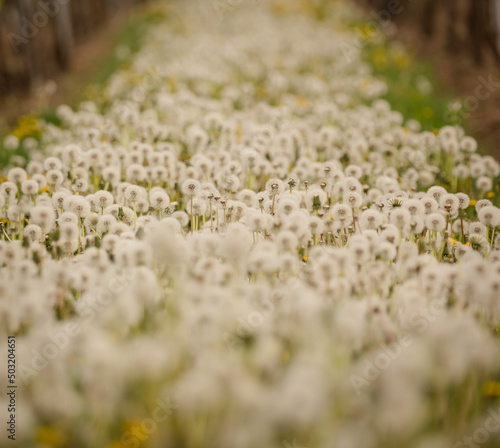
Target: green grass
x,y
131,36
414,89
406,77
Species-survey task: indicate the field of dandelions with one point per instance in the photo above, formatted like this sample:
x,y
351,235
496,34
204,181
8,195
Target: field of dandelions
x,y
239,244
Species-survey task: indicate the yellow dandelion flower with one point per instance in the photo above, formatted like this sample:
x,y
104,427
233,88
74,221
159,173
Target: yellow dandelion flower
x,y
173,83
116,444
302,102
27,126
49,436
380,60
490,195
286,357
134,427
473,202
260,92
280,7
304,258
427,112
239,132
491,389
402,60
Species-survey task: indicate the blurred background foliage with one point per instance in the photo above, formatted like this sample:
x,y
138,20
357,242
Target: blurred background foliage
x,y
35,50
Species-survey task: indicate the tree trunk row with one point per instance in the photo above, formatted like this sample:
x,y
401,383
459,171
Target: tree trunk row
x,y
37,37
465,25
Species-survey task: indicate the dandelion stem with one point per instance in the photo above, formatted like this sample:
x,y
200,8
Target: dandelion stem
x,y
5,233
192,222
462,238
135,217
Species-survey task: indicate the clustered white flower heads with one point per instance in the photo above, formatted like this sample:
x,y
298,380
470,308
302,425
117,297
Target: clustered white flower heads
x,y
259,238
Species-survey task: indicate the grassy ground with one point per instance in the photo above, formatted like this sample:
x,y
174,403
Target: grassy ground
x,y
415,90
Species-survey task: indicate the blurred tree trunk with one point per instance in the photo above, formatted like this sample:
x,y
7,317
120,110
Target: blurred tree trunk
x,y
482,33
491,30
64,29
428,15
451,34
35,54
496,21
36,44
462,25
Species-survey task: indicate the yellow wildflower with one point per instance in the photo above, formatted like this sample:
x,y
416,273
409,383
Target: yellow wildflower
x,y
491,389
27,126
132,425
286,357
302,102
116,444
402,60
173,83
49,436
427,112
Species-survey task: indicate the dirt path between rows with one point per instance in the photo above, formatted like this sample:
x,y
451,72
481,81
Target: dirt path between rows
x,y
87,59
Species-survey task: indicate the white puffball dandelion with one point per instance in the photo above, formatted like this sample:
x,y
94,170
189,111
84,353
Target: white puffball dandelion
x,y
17,176
371,219
274,186
477,228
342,213
30,187
489,216
430,205
191,187
482,203
159,200
104,224
103,199
435,222
133,193
8,190
449,203
463,200
136,173
44,216
55,178
33,232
